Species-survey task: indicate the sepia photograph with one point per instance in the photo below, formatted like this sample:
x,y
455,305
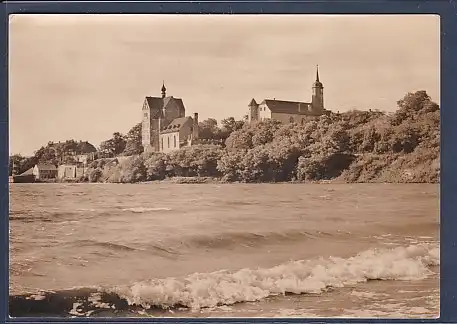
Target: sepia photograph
x,y
246,166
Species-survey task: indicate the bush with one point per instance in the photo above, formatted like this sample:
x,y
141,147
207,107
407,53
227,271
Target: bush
x,y
95,175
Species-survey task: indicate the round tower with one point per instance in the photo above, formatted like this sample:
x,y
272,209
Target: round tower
x,y
253,111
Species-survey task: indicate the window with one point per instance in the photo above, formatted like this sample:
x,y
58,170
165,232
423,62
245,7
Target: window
x,y
174,138
162,143
168,138
146,114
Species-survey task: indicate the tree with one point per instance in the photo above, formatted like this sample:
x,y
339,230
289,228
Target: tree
x,y
19,164
114,146
133,170
405,139
208,129
156,167
230,124
133,144
413,105
230,165
239,140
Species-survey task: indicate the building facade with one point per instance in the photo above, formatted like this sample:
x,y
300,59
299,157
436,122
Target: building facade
x,y
290,111
44,171
164,125
70,172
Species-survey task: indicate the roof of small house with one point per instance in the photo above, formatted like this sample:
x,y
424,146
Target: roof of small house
x,y
288,107
46,167
156,104
28,172
176,125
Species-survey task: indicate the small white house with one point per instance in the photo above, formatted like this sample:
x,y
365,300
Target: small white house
x,y
44,171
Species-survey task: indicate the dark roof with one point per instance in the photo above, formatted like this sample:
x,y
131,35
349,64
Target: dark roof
x,y
177,101
288,107
318,84
176,125
46,167
252,103
28,172
156,104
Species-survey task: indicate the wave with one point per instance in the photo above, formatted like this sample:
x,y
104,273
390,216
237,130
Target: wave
x,y
226,240
207,290
107,245
145,209
45,216
117,247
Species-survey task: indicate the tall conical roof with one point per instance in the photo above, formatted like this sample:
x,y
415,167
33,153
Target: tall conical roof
x,y
317,83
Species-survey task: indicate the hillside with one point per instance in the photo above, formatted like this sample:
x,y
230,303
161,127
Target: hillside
x,y
355,146
52,153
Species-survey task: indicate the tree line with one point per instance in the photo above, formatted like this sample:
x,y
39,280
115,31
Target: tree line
x,y
118,145
354,146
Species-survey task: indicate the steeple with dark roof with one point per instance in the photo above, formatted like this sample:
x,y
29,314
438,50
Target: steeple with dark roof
x,y
317,83
318,93
164,90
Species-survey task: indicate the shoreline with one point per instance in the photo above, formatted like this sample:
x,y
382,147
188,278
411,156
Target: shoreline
x,y
209,180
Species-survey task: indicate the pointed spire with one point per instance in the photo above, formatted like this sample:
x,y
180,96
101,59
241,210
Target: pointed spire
x,y
317,83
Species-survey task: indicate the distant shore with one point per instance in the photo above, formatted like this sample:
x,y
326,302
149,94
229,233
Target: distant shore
x,y
351,147
209,180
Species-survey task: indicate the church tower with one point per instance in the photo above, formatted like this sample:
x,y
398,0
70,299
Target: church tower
x,y
253,111
318,93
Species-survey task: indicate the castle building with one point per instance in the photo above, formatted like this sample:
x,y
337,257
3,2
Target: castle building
x,y
164,125
290,111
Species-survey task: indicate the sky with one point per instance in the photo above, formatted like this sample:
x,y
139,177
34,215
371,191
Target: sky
x,y
85,77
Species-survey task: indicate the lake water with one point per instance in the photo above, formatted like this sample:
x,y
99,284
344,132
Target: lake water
x,y
218,250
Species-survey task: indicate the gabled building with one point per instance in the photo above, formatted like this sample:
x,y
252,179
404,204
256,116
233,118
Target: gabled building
x,y
164,124
25,177
290,111
44,171
70,172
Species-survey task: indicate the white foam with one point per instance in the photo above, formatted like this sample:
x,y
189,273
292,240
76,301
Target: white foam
x,y
225,288
76,309
363,294
145,209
